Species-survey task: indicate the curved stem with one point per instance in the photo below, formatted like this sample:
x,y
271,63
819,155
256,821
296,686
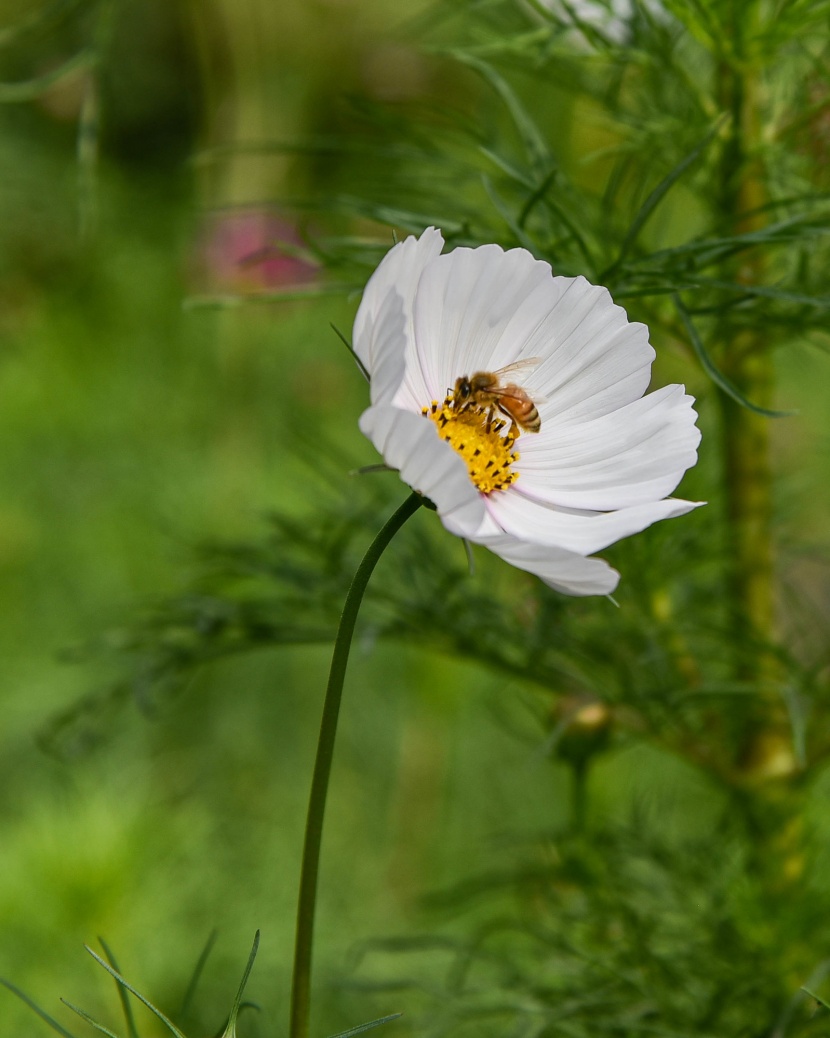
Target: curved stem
x,y
301,982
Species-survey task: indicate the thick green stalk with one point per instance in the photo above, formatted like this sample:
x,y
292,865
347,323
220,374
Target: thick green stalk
x,y
765,750
748,363
301,982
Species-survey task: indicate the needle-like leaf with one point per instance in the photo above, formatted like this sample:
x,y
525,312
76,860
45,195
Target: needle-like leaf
x,y
367,1027
168,1023
708,365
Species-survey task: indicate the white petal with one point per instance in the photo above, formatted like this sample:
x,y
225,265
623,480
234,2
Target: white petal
x,y
583,532
410,443
481,309
464,305
383,324
631,456
564,571
593,359
389,339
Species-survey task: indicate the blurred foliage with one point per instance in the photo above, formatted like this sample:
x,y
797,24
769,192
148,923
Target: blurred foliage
x,y
625,935
655,659
642,879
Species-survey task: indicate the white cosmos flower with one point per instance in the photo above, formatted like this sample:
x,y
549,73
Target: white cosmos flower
x,y
605,456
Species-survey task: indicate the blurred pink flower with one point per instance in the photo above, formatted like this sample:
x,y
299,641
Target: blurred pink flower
x,y
252,251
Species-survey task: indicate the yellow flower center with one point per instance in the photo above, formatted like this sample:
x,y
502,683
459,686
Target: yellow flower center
x,y
480,439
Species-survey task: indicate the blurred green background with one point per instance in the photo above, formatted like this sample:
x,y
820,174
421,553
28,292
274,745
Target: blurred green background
x,y
136,427
154,396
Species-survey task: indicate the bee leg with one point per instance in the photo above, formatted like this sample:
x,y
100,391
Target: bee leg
x,y
491,414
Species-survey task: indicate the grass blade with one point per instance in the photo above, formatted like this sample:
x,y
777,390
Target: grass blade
x,y
171,1027
197,973
366,1027
36,1009
230,1030
132,1030
92,1023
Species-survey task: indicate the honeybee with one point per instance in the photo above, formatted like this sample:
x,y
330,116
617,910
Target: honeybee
x,y
486,389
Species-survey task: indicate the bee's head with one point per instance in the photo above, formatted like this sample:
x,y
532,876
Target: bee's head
x,y
463,389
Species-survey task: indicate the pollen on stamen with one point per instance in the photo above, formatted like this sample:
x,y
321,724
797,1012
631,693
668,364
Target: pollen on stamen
x,y
480,440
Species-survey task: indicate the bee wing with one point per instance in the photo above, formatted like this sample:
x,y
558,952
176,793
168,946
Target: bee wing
x,y
522,365
537,398
519,365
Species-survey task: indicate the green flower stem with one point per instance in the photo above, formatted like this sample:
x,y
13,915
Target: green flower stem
x,y
301,982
